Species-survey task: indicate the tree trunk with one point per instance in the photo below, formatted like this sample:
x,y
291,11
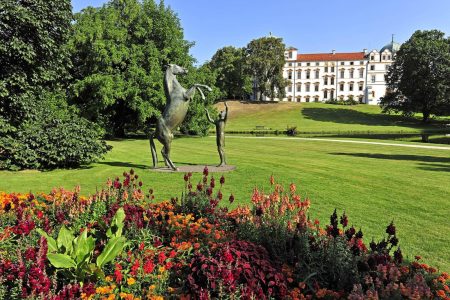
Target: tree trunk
x,y
426,116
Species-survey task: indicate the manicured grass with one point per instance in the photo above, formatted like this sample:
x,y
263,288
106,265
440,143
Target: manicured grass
x,y
374,184
319,117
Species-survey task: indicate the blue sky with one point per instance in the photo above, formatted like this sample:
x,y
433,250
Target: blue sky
x,y
310,26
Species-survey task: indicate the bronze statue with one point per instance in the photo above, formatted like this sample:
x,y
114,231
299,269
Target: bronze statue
x,y
178,99
220,133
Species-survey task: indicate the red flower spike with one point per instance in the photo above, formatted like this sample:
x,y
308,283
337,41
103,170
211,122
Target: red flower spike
x,y
231,198
222,180
205,171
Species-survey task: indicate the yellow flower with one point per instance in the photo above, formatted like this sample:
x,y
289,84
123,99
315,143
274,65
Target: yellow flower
x,y
152,287
131,281
111,297
108,278
161,269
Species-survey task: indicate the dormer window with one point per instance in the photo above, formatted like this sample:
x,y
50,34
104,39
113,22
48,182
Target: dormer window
x,y
290,54
372,57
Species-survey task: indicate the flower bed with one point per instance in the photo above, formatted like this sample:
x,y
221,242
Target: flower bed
x,y
121,244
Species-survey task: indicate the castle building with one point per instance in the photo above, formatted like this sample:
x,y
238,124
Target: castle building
x,y
319,77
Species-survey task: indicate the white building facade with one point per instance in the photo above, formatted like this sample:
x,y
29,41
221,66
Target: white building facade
x,y
319,77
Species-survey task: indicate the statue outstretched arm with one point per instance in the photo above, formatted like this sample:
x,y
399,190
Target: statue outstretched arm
x,y
226,111
208,116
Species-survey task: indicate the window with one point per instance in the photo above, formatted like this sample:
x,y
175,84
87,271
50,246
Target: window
x,y
332,69
298,99
342,63
351,73
350,87
360,87
325,94
290,98
373,94
316,88
361,62
317,64
299,64
387,67
326,69
361,73
325,80
342,73
289,89
290,64
372,57
308,74
289,74
308,64
389,57
290,54
307,87
316,99
372,68
307,98
332,80
317,74
299,74
341,87
299,87
351,63
360,99
373,78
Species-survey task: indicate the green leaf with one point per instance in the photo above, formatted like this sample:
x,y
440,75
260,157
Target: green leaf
x,y
116,227
112,249
51,243
65,239
83,247
59,260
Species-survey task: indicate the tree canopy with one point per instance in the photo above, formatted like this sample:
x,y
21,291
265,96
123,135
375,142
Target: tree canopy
x,y
419,78
265,60
37,127
232,74
118,53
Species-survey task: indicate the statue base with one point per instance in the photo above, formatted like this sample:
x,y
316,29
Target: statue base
x,y
196,169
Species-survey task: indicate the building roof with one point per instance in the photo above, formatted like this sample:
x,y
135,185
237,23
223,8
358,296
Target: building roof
x,y
331,56
392,46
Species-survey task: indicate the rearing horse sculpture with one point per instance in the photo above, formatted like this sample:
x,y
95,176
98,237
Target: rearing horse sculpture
x,y
178,99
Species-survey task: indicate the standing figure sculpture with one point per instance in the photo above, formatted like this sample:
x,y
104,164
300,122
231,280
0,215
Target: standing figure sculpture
x,y
178,99
220,133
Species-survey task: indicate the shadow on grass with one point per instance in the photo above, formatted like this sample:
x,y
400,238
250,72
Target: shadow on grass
x,y
124,164
350,116
435,167
417,158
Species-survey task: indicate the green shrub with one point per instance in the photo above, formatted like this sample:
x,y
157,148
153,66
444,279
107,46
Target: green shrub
x,y
55,136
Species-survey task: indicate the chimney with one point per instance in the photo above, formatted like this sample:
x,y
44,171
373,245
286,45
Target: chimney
x,y
365,50
333,52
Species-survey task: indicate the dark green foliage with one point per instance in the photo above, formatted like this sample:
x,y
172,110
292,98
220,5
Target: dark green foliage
x,y
118,54
196,122
232,75
419,78
265,61
58,137
38,129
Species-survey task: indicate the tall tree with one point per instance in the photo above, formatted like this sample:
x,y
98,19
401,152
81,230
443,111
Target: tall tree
x,y
419,78
38,129
119,52
265,60
232,79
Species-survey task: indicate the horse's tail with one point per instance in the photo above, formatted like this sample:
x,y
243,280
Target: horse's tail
x,y
153,149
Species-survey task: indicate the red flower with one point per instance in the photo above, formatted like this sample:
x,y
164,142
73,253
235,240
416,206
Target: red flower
x,y
161,257
205,171
118,273
135,267
231,198
149,266
39,214
222,180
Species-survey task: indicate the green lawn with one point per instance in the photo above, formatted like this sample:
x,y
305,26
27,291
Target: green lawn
x,y
373,183
319,117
